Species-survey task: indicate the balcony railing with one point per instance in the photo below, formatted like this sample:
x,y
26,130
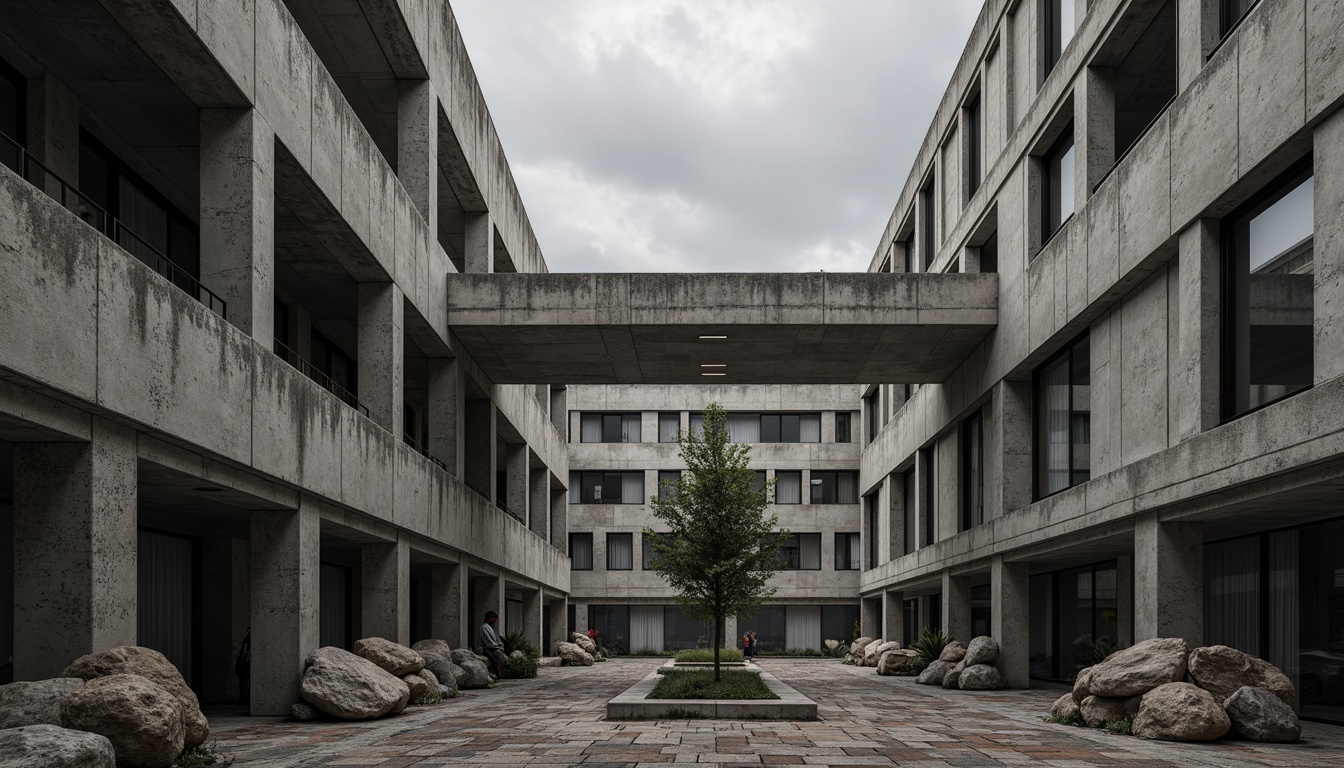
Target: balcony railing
x,y
17,159
323,380
423,451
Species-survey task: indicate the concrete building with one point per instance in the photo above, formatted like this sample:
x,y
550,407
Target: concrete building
x,y
1151,441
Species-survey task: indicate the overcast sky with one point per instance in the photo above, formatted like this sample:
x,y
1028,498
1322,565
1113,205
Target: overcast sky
x,y
712,135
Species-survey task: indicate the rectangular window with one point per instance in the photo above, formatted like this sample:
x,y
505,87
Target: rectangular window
x,y
1269,295
1232,13
13,115
789,487
609,428
870,407
1057,203
972,471
667,483
774,427
1059,28
928,223
971,121
1063,405
620,551
789,428
847,552
698,424
1145,81
606,488
669,425
908,246
908,509
650,555
744,427
870,511
801,552
842,427
760,480
580,551
989,255
1078,603
835,487
930,495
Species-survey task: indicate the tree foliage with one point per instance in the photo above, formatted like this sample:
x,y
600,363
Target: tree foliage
x,y
720,548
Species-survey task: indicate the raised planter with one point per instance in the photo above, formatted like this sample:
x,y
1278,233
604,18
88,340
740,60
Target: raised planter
x,y
708,665
634,704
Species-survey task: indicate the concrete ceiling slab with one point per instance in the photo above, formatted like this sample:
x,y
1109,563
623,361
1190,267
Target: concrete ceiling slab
x,y
779,328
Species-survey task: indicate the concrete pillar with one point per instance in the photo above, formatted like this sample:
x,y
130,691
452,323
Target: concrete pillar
x,y
385,591
226,587
1124,599
870,616
896,515
947,485
1196,370
539,503
53,130
559,622
732,633
1009,466
581,622
238,217
1328,301
893,616
560,520
1199,30
447,413
1010,620
286,587
479,243
560,411
532,618
518,474
481,453
418,147
1168,580
382,361
1094,130
75,549
956,607
448,601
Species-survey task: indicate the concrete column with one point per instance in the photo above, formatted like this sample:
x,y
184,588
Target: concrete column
x,y
447,413
481,453
870,616
418,147
560,520
385,591
1328,301
238,217
479,243
896,515
1196,370
732,633
53,130
893,616
1094,130
286,588
518,474
448,600
1010,619
560,411
956,607
226,588
539,503
1198,33
1009,466
1124,599
532,618
1168,580
75,549
558,624
947,485
581,622
382,360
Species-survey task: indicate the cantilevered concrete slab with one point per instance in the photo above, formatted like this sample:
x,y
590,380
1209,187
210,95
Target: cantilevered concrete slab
x,y
664,329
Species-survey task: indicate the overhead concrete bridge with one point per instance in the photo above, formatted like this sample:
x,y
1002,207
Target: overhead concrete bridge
x,y
704,328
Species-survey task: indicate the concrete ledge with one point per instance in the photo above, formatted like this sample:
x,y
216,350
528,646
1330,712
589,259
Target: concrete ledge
x,y
634,704
674,664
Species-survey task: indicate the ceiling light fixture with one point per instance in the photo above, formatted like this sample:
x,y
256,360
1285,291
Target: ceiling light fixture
x,y
713,337
713,374
713,365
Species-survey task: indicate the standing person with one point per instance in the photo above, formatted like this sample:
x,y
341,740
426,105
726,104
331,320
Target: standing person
x,y
594,635
491,646
746,646
243,669
754,642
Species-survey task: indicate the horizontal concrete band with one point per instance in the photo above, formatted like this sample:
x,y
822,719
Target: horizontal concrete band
x,y
776,328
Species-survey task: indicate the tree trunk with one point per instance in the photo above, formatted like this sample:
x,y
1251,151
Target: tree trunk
x,y
718,643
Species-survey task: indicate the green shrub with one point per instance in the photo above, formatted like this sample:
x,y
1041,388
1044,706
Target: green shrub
x,y
699,684
428,700
1074,720
517,641
1121,726
707,655
518,668
799,652
930,644
1086,654
201,756
649,652
676,713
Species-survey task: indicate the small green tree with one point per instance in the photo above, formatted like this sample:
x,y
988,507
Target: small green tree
x,y
720,548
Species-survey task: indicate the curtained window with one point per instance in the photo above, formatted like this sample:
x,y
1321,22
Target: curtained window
x,y
165,577
802,626
646,628
609,428
972,472
698,424
580,551
842,427
334,601
650,555
809,428
606,488
669,425
620,551
590,428
632,488
667,483
847,551
744,427
834,487
789,487
1063,420
801,552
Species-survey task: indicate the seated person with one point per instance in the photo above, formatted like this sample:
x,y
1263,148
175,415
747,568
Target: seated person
x,y
491,646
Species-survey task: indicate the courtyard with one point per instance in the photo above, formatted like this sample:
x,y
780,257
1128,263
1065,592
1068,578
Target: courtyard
x,y
865,720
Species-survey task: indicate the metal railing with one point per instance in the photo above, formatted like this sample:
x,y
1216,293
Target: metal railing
x,y
321,378
423,451
33,171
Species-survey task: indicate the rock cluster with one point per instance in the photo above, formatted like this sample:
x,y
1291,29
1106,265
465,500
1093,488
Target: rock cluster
x,y
1146,684
965,667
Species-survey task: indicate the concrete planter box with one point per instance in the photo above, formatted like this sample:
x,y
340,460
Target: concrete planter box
x,y
708,665
634,704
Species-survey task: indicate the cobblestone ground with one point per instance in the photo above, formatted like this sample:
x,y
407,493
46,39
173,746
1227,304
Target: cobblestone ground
x,y
866,720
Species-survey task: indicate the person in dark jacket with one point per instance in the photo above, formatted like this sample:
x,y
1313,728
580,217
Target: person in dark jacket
x,y
243,669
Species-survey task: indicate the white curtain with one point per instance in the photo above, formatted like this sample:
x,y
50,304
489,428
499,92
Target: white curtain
x,y
856,551
1232,594
581,552
513,616
646,628
1283,603
847,488
788,487
620,552
630,431
697,423
669,424
632,488
809,552
590,428
164,589
802,626
809,428
744,427
1057,417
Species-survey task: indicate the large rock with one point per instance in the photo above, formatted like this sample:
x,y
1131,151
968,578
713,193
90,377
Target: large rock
x,y
304,712
392,657
141,719
35,703
572,655
446,671
583,641
1065,707
150,664
1180,712
869,658
891,661
1097,711
980,677
1261,715
440,647
350,687
1080,689
934,673
856,647
50,746
872,660
417,687
982,650
1223,671
1140,668
952,679
475,674
953,652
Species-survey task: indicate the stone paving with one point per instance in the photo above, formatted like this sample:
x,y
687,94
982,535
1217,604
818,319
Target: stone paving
x,y
865,720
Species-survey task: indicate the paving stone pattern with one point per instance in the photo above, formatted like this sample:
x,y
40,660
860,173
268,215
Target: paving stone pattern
x,y
867,720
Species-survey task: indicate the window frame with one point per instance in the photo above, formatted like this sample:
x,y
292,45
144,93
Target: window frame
x,y
668,416
661,479
1049,160
822,475
798,537
1053,26
843,562
1037,458
973,126
845,434
797,472
647,554
617,535
580,535
970,515
577,480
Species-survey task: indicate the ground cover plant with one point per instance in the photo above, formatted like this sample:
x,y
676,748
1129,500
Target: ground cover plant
x,y
699,684
706,655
